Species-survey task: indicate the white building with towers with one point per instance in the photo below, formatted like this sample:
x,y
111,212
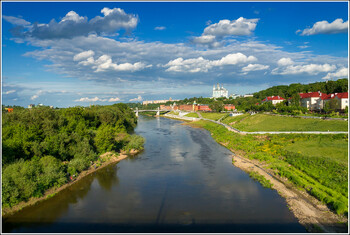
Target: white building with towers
x,y
219,91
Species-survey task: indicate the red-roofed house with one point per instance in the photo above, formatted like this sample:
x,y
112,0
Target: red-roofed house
x,y
312,100
273,99
343,99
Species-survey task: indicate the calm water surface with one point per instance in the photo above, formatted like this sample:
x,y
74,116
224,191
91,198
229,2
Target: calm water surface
x,y
182,182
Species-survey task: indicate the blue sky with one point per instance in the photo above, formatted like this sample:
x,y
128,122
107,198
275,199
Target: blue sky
x,y
75,53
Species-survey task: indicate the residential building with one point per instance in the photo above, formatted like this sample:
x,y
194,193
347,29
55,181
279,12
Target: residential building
x,y
312,100
234,96
229,107
248,95
31,106
204,107
343,99
273,99
219,91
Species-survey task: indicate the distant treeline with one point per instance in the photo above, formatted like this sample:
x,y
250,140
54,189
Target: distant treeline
x,y
43,147
287,91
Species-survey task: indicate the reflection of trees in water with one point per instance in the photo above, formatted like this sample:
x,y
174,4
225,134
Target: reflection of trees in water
x,y
107,177
50,210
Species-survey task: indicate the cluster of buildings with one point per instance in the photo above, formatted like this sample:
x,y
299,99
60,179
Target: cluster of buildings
x,y
157,101
314,100
194,107
220,91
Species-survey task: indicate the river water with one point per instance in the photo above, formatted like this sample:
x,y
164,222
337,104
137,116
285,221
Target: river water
x,y
182,182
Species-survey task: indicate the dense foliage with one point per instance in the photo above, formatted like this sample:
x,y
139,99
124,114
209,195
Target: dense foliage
x,y
43,147
286,91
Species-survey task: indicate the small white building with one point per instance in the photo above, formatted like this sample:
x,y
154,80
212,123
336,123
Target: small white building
x,y
273,99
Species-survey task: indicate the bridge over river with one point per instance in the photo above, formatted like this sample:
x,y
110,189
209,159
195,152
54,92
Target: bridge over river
x,y
158,110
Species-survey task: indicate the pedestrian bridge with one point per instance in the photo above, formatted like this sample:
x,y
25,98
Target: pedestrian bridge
x,y
158,110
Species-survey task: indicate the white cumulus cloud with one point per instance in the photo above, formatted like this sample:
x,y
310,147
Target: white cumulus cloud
x,y
215,32
86,99
311,69
285,61
34,97
323,27
114,99
341,73
72,16
104,63
200,64
83,55
254,67
73,25
239,27
139,98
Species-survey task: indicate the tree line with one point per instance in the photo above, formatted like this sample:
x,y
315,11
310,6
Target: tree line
x,y
42,147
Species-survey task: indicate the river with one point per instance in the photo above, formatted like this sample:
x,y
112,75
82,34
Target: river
x,y
182,182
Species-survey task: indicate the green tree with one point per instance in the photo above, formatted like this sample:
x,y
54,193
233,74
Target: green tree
x,y
217,106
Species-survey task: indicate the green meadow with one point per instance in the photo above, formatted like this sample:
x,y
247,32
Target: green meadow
x,y
264,122
213,116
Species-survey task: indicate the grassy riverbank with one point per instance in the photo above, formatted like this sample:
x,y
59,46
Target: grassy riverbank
x,y
264,122
213,116
322,175
195,115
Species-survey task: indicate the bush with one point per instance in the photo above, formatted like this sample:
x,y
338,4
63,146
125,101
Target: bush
x,y
78,165
135,142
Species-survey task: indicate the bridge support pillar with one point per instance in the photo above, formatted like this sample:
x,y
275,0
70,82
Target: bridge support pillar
x,y
158,112
137,112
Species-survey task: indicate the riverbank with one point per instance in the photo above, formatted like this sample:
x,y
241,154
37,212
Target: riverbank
x,y
106,158
314,215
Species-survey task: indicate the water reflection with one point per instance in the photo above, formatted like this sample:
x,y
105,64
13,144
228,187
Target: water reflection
x,y
182,182
107,177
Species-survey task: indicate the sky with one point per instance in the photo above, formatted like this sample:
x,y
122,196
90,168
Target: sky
x,y
68,54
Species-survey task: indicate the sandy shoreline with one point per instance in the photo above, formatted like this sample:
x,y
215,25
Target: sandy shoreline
x,y
112,158
311,213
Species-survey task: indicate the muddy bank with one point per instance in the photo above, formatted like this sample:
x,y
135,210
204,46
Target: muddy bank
x,y
108,158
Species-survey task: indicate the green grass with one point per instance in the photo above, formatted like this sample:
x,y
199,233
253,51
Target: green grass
x,y
321,147
314,163
263,122
213,116
228,120
174,113
195,115
261,179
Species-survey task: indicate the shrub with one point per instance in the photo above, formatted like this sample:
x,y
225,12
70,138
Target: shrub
x,y
135,142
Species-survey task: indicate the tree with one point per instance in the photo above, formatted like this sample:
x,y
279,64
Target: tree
x,y
295,101
217,106
331,105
